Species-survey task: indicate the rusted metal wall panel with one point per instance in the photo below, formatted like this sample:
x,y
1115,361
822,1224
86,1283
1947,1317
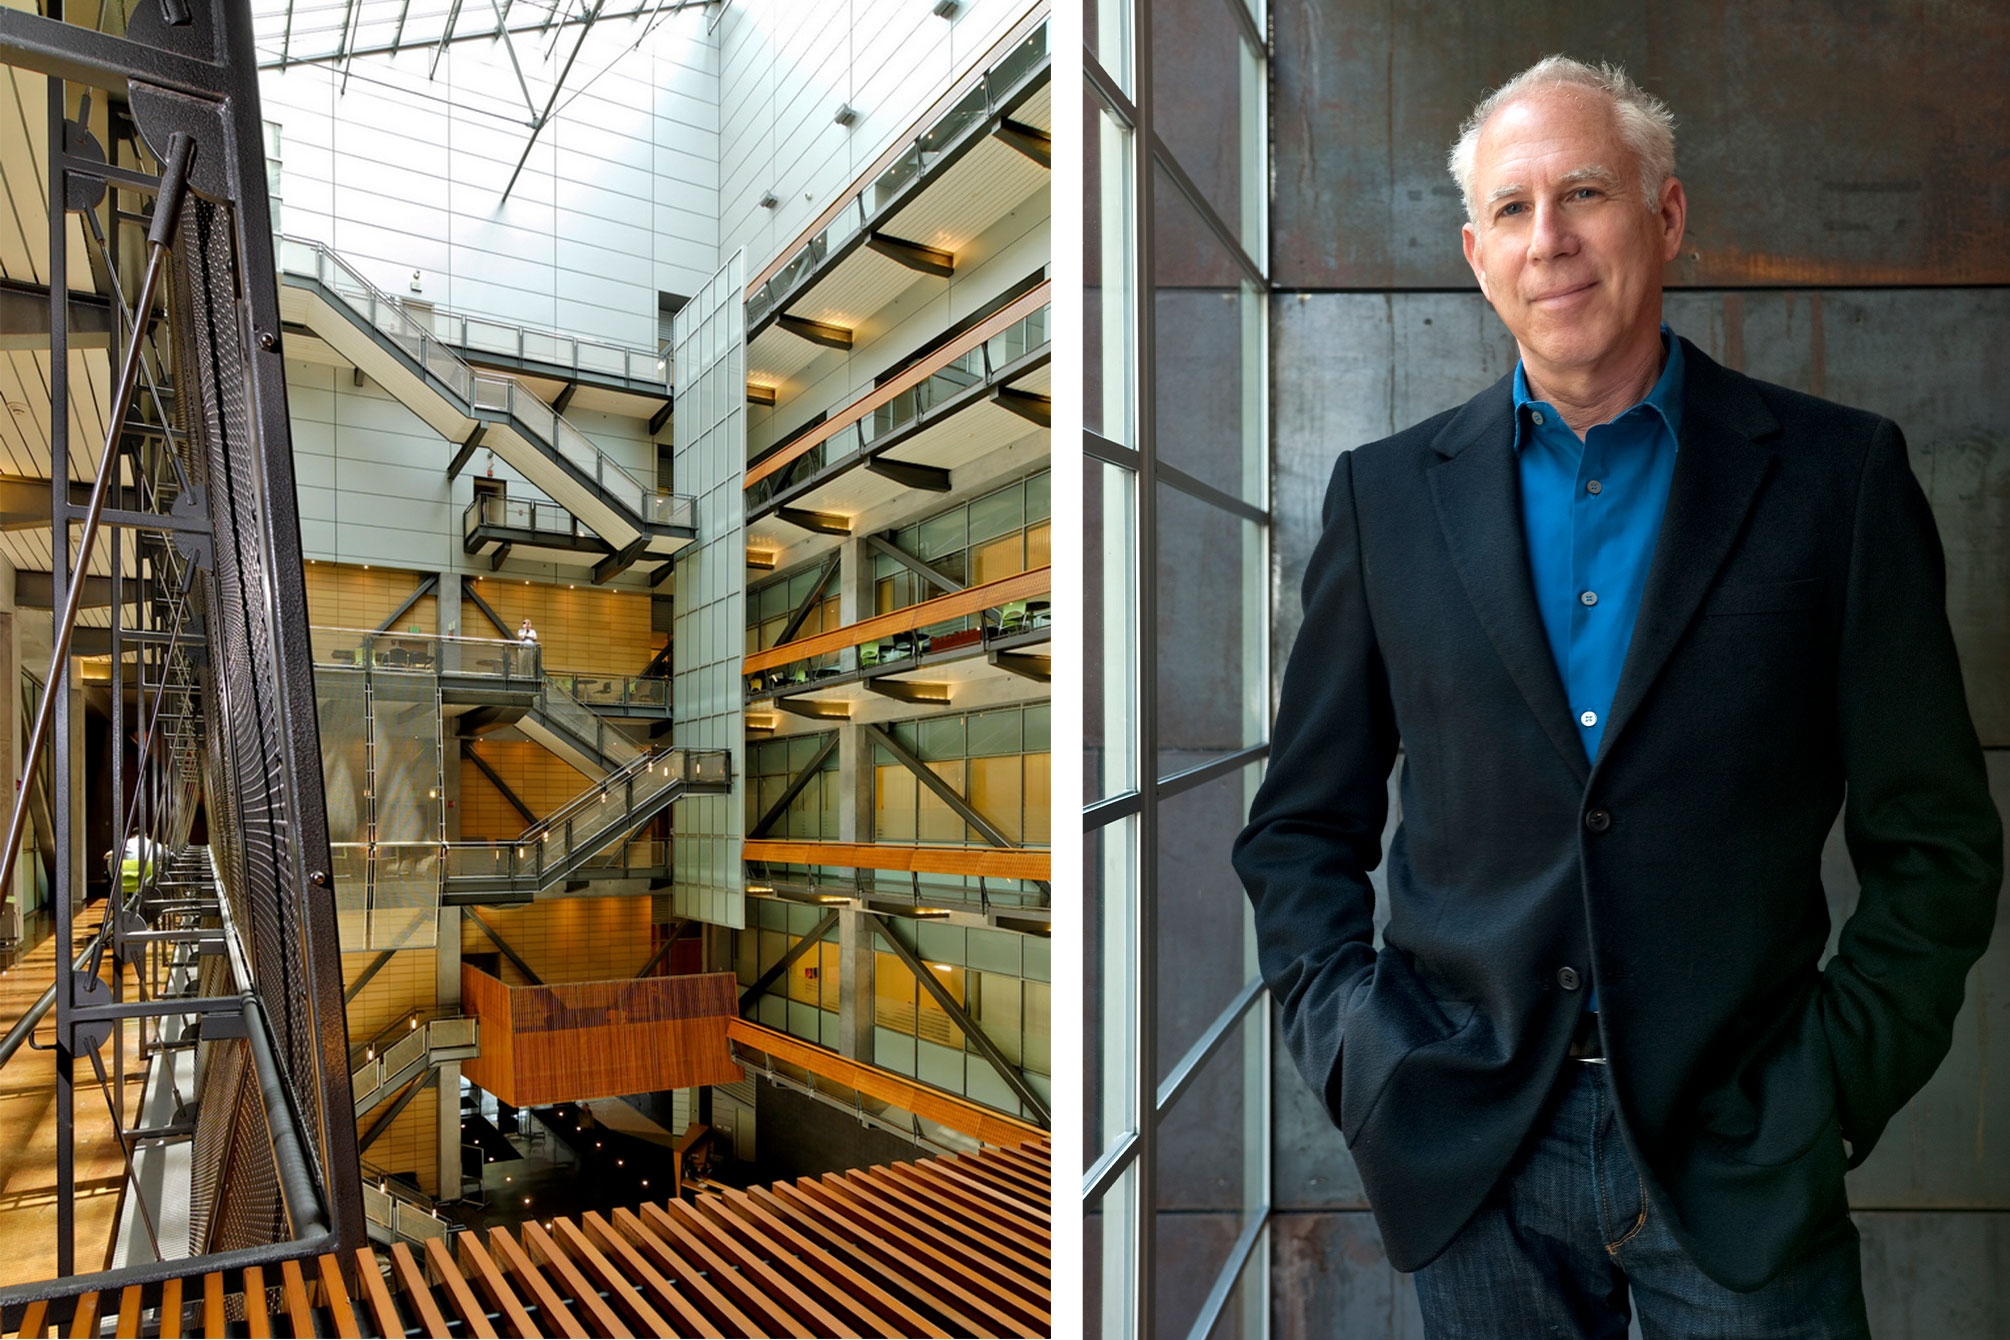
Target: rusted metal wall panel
x,y
1349,368
1850,143
1925,1277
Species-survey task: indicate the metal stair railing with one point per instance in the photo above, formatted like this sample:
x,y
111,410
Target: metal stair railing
x,y
478,395
560,846
385,1069
591,733
395,1213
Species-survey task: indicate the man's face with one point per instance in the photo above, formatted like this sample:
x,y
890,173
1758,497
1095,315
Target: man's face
x,y
1564,247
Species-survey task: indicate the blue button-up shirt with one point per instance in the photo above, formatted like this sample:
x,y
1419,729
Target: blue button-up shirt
x,y
1590,511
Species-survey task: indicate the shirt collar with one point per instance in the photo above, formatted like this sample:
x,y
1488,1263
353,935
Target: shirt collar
x,y
1665,399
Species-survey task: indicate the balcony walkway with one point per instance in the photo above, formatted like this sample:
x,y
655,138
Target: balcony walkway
x,y
28,1127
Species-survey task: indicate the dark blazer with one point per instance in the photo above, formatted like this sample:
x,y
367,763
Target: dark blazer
x,y
1792,655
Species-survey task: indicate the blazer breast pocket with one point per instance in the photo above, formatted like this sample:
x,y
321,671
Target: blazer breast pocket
x,y
1802,593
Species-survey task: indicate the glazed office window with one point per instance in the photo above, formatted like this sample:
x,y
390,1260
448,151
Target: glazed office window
x,y
771,605
996,761
772,765
994,535
804,1003
999,978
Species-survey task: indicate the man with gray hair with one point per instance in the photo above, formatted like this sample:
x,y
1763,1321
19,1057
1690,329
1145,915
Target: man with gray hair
x,y
1640,626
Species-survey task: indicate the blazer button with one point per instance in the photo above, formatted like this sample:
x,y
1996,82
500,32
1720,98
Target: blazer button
x,y
1566,977
1598,820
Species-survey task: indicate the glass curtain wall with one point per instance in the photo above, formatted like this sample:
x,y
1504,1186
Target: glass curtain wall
x,y
1176,1193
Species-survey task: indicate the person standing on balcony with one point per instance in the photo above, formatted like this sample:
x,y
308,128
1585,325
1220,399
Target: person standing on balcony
x,y
1640,626
525,633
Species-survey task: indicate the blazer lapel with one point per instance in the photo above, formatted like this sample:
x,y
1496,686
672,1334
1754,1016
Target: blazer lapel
x,y
1717,474
1477,494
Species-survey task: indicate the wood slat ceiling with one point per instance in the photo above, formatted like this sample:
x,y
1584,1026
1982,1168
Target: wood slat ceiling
x,y
959,1245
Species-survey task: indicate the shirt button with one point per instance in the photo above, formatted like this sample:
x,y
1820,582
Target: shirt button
x,y
1598,820
1535,417
1593,486
1589,597
1566,977
1588,719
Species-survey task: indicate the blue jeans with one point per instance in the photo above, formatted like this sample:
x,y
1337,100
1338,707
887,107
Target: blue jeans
x,y
1567,1245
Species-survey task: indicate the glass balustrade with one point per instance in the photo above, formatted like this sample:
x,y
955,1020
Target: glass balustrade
x,y
613,691
425,653
971,367
527,344
966,118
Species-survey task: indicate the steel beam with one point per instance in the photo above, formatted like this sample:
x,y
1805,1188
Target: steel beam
x,y
795,788
425,588
973,1030
909,474
882,737
375,966
926,260
495,779
934,577
801,613
816,332
502,945
783,964
823,523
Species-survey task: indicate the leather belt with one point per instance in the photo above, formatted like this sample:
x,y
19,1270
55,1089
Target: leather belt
x,y
1585,1044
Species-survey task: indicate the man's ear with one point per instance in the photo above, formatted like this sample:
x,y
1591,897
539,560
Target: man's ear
x,y
1470,239
1674,217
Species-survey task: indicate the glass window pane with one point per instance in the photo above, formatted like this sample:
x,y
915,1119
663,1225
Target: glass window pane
x,y
1210,1173
996,513
1110,1263
1208,354
1000,558
1106,32
1109,697
1109,987
1245,1316
1107,310
941,535
1202,934
1213,687
892,993
1214,126
996,733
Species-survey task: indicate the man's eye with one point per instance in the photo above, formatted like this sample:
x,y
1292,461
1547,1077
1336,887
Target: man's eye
x,y
1514,207
1585,192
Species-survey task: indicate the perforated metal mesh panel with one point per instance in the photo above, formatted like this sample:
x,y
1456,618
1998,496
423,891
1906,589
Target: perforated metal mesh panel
x,y
261,773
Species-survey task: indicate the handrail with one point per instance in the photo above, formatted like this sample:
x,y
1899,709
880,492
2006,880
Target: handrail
x,y
970,600
992,862
532,344
1031,302
485,395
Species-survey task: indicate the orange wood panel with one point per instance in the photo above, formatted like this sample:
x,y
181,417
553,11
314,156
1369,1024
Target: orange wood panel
x,y
257,1319
690,1321
578,1040
170,1324
213,1323
1011,1280
472,1313
758,1290
976,1198
956,1113
916,1279
994,862
383,1312
849,1288
981,1225
684,1272
539,1246
588,1260
558,1318
755,1254
494,1287
293,1291
129,1311
84,1322
34,1321
971,599
1019,308
336,1295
